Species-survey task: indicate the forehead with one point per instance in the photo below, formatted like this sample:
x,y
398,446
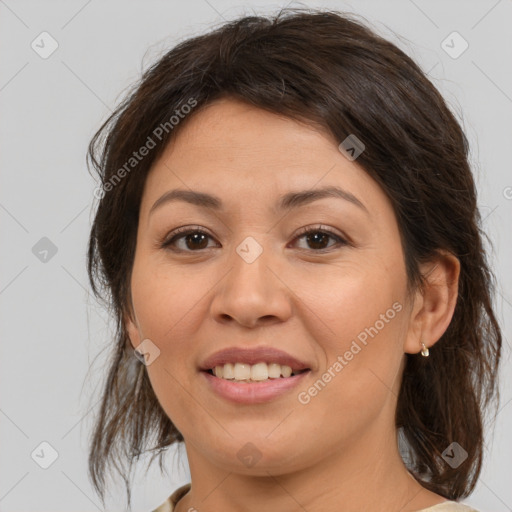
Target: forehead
x,y
241,151
230,128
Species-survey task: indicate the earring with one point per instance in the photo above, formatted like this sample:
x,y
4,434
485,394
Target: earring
x,y
424,350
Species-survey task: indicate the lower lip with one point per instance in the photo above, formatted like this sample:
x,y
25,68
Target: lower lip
x,y
253,392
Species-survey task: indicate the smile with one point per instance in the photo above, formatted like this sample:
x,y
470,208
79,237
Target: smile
x,y
248,391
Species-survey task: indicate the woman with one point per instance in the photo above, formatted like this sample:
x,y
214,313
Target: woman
x,y
289,240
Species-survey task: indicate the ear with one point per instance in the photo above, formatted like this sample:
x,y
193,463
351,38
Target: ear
x,y
131,327
434,305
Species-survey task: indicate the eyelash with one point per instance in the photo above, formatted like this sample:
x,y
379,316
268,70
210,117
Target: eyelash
x,y
184,231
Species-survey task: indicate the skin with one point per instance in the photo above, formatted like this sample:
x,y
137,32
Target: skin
x,y
341,447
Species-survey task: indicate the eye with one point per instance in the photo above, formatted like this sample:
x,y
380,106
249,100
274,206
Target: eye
x,y
195,239
317,236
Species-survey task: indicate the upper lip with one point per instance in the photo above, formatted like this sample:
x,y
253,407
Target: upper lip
x,y
252,356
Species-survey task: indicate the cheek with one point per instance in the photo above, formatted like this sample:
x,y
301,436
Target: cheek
x,y
168,308
358,323
359,381
165,301
351,299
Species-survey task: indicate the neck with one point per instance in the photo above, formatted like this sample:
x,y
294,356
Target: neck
x,y
367,475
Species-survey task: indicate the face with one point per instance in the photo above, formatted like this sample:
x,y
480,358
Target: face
x,y
249,277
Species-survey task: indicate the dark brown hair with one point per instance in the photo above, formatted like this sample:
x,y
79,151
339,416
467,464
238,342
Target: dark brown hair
x,y
329,70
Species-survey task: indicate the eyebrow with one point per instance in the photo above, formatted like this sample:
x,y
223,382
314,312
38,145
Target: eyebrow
x,y
288,201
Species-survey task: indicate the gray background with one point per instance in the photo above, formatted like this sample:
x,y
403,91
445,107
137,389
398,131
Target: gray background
x,y
50,108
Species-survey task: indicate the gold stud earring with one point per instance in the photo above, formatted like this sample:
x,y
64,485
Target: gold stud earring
x,y
424,350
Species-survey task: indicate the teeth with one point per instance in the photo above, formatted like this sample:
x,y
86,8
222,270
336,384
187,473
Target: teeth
x,y
252,373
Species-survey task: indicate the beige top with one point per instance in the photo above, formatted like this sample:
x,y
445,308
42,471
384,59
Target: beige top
x,y
445,506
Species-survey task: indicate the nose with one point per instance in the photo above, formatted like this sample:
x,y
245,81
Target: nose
x,y
252,293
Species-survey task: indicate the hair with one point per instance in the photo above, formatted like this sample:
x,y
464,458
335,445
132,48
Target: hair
x,y
329,70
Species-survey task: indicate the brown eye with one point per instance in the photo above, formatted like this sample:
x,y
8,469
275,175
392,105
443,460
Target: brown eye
x,y
318,238
194,240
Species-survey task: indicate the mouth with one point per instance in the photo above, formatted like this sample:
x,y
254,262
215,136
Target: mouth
x,y
248,391
252,375
292,373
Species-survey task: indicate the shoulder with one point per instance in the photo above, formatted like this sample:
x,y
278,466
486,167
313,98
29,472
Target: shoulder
x,y
449,506
170,502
